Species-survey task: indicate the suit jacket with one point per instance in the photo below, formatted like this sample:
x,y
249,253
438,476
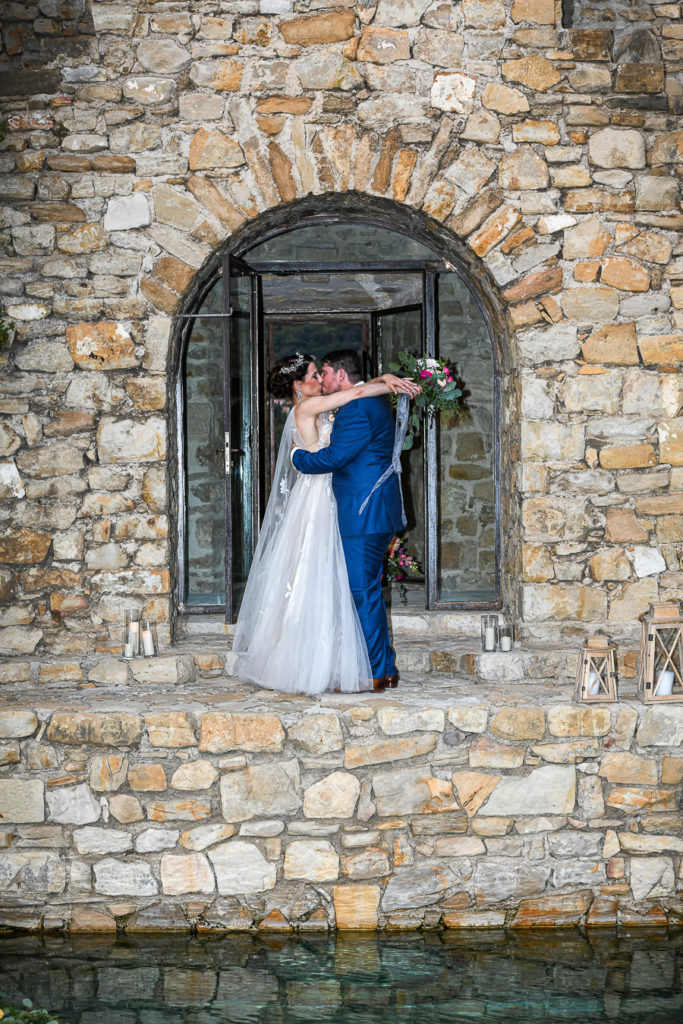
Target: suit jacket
x,y
360,449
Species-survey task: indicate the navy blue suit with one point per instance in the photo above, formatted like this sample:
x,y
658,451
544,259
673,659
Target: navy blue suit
x,y
359,452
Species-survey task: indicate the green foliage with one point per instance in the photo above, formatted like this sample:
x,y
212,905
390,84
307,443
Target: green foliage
x,y
60,132
439,390
27,1013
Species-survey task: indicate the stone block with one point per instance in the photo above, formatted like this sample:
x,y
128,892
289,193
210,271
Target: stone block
x,y
108,772
317,733
85,919
115,728
21,801
568,720
261,790
523,169
453,91
661,727
128,440
388,750
210,150
183,809
127,212
623,527
32,872
468,719
566,753
423,885
17,723
205,835
516,723
254,732
502,878
173,670
152,840
617,147
670,434
637,799
397,721
170,729
504,99
124,878
473,788
194,775
546,790
487,753
651,877
186,873
411,791
553,442
241,868
370,863
614,343
546,602
335,796
72,805
313,860
560,911
319,29
590,304
356,907
90,840
145,778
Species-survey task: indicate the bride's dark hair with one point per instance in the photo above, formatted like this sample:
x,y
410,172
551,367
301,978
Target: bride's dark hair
x,y
286,371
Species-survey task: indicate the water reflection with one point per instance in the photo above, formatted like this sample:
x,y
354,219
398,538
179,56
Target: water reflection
x,y
425,978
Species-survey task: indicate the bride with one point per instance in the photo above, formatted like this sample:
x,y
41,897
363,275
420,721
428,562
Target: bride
x,y
298,630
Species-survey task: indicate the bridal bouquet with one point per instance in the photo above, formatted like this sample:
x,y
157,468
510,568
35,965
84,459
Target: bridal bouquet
x,y
398,565
439,389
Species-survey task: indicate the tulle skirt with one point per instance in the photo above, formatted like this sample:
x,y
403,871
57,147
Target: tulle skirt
x,y
298,629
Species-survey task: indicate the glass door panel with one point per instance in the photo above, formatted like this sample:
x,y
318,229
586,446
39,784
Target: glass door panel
x,y
466,454
241,405
393,331
203,549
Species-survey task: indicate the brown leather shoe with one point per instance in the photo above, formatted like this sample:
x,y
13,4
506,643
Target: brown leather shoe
x,y
391,682
378,685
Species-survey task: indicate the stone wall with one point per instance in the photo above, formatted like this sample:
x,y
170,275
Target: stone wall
x,y
142,137
459,812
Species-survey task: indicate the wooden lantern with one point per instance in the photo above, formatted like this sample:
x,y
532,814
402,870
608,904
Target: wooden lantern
x,y
595,676
660,662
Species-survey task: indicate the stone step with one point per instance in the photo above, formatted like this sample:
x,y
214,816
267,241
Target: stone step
x,y
206,657
405,622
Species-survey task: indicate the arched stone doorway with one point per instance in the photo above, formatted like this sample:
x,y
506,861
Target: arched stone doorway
x,y
322,273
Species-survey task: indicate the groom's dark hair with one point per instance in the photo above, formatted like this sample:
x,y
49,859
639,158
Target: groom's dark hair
x,y
345,359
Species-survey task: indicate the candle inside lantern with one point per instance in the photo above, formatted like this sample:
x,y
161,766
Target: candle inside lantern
x,y
489,638
133,637
505,643
593,687
666,684
147,643
128,650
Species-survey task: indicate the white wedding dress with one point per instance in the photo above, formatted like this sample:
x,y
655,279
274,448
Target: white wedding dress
x,y
298,630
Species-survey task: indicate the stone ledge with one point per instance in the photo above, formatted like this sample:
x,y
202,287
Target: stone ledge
x,y
215,809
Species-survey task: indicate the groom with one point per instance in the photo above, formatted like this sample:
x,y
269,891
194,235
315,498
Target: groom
x,y
359,452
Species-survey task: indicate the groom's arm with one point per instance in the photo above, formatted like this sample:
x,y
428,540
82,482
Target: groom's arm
x,y
349,438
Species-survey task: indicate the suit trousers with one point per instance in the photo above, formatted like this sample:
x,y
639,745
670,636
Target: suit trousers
x,y
364,560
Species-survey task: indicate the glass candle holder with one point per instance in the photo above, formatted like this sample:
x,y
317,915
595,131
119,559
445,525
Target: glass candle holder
x,y
131,632
488,632
148,639
505,637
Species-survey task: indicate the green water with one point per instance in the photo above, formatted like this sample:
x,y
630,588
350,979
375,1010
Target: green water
x,y
421,978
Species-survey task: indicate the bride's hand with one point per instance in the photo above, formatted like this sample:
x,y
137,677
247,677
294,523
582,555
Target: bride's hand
x,y
396,384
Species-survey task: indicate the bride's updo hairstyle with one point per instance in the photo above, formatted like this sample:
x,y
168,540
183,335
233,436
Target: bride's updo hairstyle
x,y
286,371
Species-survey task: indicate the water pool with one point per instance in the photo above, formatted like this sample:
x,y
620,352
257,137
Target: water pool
x,y
423,977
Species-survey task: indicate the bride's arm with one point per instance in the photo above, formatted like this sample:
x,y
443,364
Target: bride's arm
x,y
311,407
